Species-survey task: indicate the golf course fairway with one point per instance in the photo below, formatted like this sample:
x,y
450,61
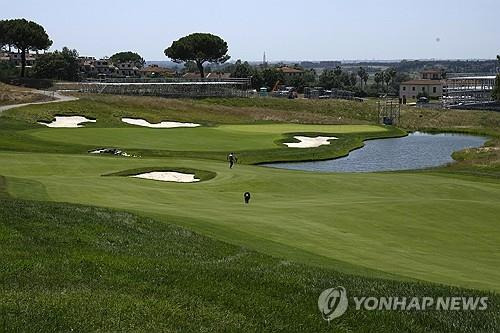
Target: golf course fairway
x,y
424,225
436,231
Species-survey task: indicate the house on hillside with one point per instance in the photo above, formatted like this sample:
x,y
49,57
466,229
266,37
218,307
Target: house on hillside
x,y
127,69
155,71
430,84
15,58
90,67
413,88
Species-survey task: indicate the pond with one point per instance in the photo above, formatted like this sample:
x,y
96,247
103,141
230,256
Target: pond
x,y
416,151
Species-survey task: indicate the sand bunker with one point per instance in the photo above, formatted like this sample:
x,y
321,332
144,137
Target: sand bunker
x,y
307,142
67,121
163,124
168,176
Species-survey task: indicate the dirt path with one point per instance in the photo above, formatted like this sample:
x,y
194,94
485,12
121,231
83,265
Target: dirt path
x,y
54,94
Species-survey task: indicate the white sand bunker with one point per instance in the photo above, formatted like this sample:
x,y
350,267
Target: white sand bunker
x,y
163,124
308,142
67,121
168,176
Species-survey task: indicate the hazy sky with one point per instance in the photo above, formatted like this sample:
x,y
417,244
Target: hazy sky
x,y
285,30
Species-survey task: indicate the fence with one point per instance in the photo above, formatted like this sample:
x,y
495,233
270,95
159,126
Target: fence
x,y
169,87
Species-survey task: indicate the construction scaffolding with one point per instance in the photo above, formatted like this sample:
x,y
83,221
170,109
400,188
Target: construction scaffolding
x,y
389,111
191,89
468,91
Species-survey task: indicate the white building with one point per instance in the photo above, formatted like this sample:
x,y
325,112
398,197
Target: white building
x,y
411,89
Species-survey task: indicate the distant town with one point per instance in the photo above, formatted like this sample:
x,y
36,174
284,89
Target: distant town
x,y
448,83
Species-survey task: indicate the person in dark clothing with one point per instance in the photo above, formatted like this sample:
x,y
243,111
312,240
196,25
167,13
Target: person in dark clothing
x,y
247,197
232,160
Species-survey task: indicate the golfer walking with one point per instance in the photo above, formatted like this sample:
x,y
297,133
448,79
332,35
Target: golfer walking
x,y
247,197
232,160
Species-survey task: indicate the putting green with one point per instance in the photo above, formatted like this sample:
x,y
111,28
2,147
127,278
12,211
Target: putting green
x,y
221,138
417,225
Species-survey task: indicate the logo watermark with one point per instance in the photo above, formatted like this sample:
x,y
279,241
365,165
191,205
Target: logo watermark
x,y
333,303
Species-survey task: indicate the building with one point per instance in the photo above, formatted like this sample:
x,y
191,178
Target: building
x,y
102,68
290,72
433,74
127,69
15,58
86,65
414,88
429,85
4,56
90,67
155,71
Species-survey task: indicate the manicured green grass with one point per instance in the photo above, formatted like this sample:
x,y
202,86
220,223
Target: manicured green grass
x,y
221,138
123,272
394,223
109,110
253,144
76,268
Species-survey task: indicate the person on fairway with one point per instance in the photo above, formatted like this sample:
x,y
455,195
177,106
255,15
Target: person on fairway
x,y
232,160
246,196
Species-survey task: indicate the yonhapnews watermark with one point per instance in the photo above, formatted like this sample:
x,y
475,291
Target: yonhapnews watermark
x,y
333,303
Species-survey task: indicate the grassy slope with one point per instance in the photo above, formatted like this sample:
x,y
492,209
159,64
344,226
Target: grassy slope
x,y
206,142
17,95
77,268
370,220
109,109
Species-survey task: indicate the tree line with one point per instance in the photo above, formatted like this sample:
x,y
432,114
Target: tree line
x,y
197,49
338,78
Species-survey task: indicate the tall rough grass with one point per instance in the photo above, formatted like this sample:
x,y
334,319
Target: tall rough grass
x,y
77,268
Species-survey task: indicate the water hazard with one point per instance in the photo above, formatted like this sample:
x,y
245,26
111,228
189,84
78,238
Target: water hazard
x,y
415,151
